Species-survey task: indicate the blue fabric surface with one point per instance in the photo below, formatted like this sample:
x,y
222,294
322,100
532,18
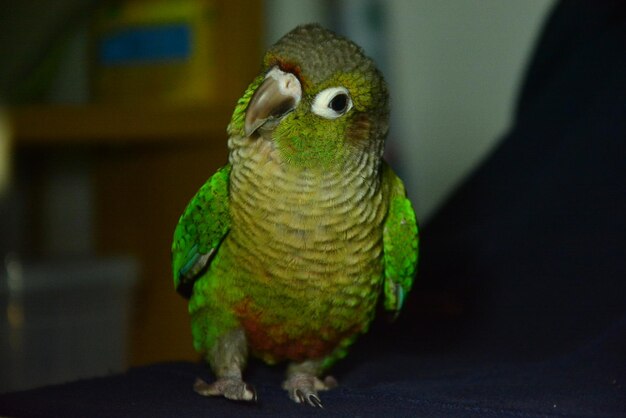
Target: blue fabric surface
x,y
388,383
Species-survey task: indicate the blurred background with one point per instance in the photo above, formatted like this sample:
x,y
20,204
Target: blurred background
x,y
112,114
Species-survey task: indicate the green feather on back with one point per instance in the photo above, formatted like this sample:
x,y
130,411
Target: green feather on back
x,y
200,230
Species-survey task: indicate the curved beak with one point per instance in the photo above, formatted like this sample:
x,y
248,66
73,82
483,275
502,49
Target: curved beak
x,y
278,95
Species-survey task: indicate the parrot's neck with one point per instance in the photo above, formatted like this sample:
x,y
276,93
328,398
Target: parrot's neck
x,y
257,164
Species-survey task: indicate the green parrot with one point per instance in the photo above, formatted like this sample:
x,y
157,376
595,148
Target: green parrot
x,y
284,251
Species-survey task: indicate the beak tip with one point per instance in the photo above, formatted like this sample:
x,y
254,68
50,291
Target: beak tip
x,y
247,131
251,125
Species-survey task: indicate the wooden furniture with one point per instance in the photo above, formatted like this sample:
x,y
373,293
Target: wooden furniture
x,y
144,163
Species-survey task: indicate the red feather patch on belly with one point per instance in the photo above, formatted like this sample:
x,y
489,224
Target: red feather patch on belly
x,y
275,341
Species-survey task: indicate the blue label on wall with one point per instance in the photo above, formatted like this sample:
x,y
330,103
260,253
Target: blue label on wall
x,y
144,45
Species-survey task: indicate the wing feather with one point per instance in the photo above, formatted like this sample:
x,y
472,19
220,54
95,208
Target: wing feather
x,y
400,244
200,230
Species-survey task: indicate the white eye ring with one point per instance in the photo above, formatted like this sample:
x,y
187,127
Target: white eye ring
x,y
332,102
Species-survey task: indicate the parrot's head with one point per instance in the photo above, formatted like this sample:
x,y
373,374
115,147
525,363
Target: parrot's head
x,y
319,101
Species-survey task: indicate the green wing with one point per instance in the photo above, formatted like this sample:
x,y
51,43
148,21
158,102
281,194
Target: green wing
x,y
400,243
200,230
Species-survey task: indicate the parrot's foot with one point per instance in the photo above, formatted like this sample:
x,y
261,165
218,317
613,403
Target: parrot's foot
x,y
228,387
302,388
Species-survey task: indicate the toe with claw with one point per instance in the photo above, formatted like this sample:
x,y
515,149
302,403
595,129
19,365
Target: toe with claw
x,y
302,388
230,388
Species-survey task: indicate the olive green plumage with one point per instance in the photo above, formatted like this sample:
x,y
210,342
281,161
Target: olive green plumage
x,y
285,250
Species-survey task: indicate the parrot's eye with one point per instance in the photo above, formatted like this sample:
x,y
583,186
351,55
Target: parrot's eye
x,y
339,103
332,102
